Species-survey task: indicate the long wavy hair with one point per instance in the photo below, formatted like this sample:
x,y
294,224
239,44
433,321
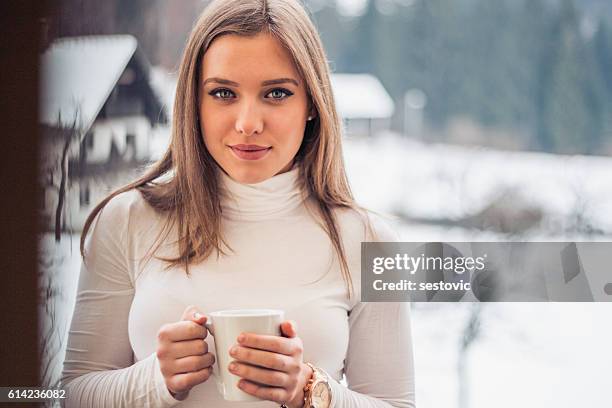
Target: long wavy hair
x,y
184,184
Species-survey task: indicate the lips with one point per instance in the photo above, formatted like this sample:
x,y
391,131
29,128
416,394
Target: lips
x,y
249,151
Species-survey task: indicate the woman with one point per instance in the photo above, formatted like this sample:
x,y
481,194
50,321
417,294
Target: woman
x,y
249,208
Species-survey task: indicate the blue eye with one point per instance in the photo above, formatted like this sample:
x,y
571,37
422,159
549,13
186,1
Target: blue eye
x,y
279,93
221,93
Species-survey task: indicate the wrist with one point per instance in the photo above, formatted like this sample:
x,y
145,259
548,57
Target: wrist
x,y
318,392
306,375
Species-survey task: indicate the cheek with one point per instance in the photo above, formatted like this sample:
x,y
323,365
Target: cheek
x,y
210,132
288,130
214,126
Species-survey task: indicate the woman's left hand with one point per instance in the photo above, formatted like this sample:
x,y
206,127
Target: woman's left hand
x,y
271,367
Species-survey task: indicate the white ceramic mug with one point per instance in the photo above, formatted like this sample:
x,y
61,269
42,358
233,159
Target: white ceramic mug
x,y
225,326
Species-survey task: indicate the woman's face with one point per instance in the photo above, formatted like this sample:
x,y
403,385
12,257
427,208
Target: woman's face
x,y
253,106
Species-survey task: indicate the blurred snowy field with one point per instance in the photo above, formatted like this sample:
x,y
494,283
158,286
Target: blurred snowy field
x,y
525,354
393,173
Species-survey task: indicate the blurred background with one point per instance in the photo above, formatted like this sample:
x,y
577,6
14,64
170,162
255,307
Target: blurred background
x,y
466,120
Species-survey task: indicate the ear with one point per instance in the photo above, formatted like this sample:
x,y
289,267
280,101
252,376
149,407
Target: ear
x,y
312,111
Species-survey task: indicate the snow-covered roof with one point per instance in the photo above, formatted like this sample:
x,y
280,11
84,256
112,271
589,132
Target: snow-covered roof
x,y
361,96
78,75
163,83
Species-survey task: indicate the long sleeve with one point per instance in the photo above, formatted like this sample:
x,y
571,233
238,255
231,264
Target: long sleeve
x,y
99,369
379,365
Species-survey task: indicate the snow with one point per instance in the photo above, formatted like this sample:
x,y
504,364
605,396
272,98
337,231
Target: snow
x,y
529,355
437,181
361,96
60,263
78,74
164,84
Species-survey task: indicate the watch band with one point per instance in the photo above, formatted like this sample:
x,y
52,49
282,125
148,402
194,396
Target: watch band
x,y
318,376
308,386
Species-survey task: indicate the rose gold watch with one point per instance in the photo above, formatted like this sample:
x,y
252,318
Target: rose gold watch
x,y
317,392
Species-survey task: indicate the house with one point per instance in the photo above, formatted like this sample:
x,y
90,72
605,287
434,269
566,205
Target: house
x,y
97,106
363,103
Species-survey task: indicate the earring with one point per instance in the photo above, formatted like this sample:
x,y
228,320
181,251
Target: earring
x,y
309,118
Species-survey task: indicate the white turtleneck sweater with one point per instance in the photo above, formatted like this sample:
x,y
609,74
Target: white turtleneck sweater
x,y
281,259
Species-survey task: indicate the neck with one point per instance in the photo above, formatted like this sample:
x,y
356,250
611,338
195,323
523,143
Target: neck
x,y
277,196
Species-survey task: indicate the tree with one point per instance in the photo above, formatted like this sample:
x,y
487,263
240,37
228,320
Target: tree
x,y
571,107
471,332
602,44
71,18
58,145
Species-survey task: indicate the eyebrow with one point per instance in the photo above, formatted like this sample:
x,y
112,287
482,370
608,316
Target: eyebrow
x,y
264,83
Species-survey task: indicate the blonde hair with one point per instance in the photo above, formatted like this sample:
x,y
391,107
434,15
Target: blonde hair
x,y
189,196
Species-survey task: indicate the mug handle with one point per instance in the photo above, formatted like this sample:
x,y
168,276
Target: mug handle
x,y
209,326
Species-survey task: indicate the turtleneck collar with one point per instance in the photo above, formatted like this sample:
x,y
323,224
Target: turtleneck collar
x,y
276,196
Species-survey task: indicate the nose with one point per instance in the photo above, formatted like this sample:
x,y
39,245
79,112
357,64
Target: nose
x,y
250,119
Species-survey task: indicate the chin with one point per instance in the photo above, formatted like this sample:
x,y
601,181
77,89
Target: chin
x,y
250,176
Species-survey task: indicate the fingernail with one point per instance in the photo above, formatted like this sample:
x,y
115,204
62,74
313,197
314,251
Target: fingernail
x,y
233,366
197,315
241,338
233,351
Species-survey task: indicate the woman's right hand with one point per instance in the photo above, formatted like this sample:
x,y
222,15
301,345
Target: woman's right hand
x,y
183,354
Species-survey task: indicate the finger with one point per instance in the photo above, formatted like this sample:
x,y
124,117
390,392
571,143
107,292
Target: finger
x,y
184,382
194,314
193,363
178,349
264,358
289,328
187,348
274,344
260,375
276,394
179,331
